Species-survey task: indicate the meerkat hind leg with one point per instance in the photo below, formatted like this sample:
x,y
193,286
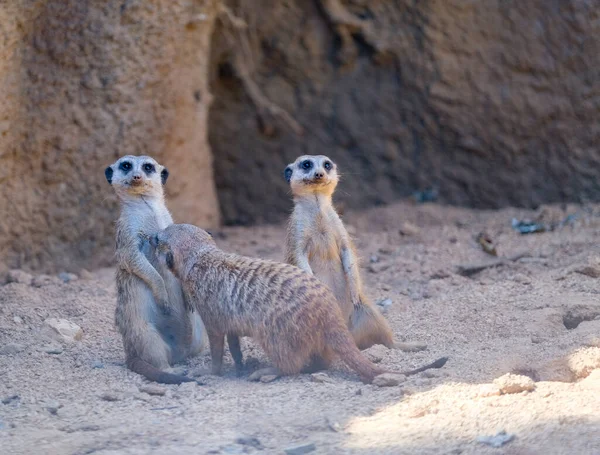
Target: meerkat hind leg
x,y
233,341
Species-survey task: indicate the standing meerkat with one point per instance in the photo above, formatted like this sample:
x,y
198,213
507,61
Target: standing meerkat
x,y
157,326
319,244
292,315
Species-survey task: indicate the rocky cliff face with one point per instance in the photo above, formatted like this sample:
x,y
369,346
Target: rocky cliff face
x,y
81,83
494,103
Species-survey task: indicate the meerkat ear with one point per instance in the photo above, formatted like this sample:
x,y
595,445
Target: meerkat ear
x,y
288,174
169,260
108,172
164,175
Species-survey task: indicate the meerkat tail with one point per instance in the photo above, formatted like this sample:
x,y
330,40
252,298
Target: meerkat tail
x,y
343,345
369,327
439,363
152,373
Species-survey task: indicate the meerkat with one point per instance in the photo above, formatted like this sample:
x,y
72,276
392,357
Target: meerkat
x,y
157,326
319,244
291,314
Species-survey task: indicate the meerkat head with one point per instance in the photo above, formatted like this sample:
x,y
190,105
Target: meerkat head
x,y
177,243
311,174
137,176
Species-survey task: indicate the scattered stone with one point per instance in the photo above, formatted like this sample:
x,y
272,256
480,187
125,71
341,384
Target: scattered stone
x,y
536,339
301,449
44,280
322,378
410,347
52,407
250,442
409,229
488,390
67,277
111,396
376,353
268,378
50,349
19,276
374,258
591,270
389,380
384,304
384,250
11,349
584,361
333,426
358,392
85,275
18,320
152,389
378,267
521,278
514,383
386,287
11,399
496,441
97,364
67,330
439,275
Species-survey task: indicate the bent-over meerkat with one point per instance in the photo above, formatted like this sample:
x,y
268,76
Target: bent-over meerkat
x,y
157,326
318,243
291,314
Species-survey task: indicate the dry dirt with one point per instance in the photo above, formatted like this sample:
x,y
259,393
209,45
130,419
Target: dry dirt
x,y
537,316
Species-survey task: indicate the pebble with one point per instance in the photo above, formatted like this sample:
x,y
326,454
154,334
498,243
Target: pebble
x,y
384,304
52,407
378,267
85,275
376,353
496,441
250,442
11,399
514,383
67,330
301,449
386,287
11,349
268,378
321,378
50,349
389,380
591,270
409,229
521,278
152,389
410,347
374,258
111,396
67,277
19,276
18,320
97,364
44,280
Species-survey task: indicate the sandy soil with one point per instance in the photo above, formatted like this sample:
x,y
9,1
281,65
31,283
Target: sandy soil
x,y
538,316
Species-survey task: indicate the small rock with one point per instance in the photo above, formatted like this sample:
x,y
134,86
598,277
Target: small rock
x,y
85,275
374,258
386,287
321,378
11,349
384,304
513,383
11,399
378,267
268,378
18,320
19,276
591,270
67,330
44,280
50,349
389,380
521,278
52,407
67,277
97,364
250,442
384,250
488,390
376,353
496,441
152,389
409,229
410,347
301,449
111,396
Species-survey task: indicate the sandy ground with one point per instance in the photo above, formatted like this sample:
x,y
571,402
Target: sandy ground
x,y
538,316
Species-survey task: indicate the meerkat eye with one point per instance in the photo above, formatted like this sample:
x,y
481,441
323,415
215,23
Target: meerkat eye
x,y
149,168
306,165
125,166
327,165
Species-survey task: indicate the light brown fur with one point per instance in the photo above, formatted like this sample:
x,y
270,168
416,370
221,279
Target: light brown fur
x,y
318,243
292,315
157,327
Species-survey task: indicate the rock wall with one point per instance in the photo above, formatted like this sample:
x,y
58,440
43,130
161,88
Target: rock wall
x,y
493,103
83,82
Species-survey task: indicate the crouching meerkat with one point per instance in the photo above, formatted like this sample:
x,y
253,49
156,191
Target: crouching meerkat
x,y
292,315
157,326
319,244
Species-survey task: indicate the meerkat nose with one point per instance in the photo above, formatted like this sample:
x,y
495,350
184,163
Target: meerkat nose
x,y
319,175
137,176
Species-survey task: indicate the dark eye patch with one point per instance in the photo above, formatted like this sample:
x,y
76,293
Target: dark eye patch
x,y
125,166
307,165
149,168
